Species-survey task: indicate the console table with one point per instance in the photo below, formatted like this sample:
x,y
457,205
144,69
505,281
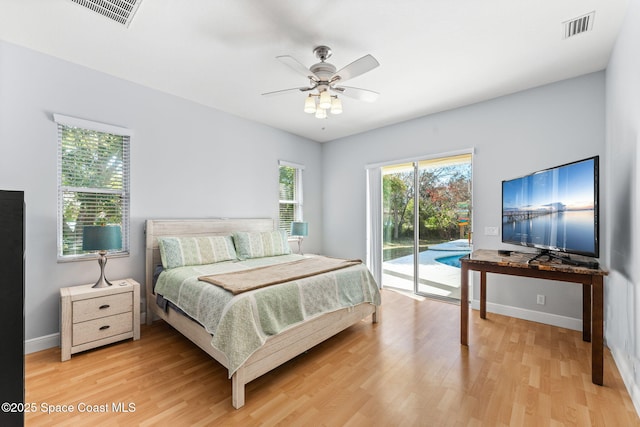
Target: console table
x,y
490,261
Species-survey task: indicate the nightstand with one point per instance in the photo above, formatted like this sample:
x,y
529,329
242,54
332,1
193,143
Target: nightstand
x,y
93,317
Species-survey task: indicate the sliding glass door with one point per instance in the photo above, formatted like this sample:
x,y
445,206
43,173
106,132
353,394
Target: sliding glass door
x,y
398,232
426,224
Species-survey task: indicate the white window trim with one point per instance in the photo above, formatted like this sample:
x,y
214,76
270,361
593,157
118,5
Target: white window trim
x,y
290,164
88,124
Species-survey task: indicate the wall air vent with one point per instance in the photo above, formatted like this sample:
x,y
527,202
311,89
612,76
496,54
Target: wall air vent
x,y
578,25
121,11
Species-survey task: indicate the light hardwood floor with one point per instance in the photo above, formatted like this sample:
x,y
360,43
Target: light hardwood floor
x,y
408,370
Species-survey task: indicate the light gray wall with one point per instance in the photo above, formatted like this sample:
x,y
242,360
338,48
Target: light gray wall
x,y
622,288
187,160
511,135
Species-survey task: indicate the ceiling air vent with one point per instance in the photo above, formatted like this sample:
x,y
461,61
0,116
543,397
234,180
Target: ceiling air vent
x,y
578,25
121,11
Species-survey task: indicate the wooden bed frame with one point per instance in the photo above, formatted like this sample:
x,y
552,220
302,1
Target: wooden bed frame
x,y
278,349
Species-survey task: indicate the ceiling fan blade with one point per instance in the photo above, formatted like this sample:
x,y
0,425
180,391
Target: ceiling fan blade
x,y
296,66
357,67
279,92
357,93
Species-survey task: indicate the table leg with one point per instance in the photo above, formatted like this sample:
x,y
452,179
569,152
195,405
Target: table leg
x,y
464,304
586,312
597,345
483,294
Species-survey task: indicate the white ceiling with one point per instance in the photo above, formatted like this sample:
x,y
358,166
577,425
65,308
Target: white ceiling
x,y
434,54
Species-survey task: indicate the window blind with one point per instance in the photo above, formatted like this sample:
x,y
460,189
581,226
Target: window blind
x,y
93,182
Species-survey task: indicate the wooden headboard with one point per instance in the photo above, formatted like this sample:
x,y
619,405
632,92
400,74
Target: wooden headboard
x,y
191,227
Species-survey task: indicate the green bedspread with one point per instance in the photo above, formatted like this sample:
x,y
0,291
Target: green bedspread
x,y
241,324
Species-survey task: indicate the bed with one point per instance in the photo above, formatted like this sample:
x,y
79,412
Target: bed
x,y
275,348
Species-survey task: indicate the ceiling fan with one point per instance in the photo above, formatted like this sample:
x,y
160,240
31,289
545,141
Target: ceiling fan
x,y
324,80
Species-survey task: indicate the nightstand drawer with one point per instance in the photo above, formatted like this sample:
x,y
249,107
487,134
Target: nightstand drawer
x,y
105,327
108,305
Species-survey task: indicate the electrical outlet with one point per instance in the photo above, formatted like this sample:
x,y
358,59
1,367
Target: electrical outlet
x,y
540,299
491,231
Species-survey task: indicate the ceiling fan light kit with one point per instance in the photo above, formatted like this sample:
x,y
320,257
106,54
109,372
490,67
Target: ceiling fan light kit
x,y
323,78
326,102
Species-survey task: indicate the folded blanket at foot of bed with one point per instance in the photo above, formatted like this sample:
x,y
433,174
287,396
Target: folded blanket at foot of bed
x,y
242,281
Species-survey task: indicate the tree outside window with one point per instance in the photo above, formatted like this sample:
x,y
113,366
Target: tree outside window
x,y
444,204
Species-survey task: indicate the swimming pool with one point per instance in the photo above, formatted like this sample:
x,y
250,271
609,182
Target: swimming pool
x,y
447,253
452,260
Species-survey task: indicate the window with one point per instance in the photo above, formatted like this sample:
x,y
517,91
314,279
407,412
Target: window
x,y
290,194
93,182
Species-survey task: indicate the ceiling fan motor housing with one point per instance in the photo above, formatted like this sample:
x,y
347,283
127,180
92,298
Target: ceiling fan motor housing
x,y
323,70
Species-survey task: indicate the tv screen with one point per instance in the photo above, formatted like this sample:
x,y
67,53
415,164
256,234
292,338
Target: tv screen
x,y
554,209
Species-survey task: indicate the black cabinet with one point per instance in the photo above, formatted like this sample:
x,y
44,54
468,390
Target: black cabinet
x,y
12,306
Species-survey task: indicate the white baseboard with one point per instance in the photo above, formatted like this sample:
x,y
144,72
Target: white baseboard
x,y
534,316
625,367
42,343
50,341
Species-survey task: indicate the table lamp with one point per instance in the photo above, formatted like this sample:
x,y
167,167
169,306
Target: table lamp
x,y
300,230
101,238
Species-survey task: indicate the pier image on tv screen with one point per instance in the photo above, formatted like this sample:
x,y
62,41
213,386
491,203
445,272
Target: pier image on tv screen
x,y
554,209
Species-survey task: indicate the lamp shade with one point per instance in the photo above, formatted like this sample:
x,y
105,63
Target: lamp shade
x,y
310,104
336,106
101,237
299,228
325,100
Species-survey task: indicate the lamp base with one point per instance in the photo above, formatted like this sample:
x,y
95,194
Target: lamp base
x,y
102,281
300,245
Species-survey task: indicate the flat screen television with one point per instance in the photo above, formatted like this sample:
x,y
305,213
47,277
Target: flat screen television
x,y
554,210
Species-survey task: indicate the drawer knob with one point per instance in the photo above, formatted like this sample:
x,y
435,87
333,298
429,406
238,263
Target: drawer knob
x,y
104,306
105,327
